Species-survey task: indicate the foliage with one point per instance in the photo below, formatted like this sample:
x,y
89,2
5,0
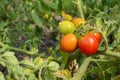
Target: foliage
x,y
30,40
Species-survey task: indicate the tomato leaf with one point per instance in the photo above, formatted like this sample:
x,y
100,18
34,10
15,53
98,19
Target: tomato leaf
x,y
99,22
32,77
96,70
64,57
53,66
59,7
2,62
2,76
42,7
28,63
112,69
51,3
36,18
10,59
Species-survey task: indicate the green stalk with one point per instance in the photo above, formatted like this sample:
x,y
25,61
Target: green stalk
x,y
80,9
81,72
79,6
19,50
111,53
3,46
105,40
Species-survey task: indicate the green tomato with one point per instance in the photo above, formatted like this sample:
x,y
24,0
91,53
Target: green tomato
x,y
66,27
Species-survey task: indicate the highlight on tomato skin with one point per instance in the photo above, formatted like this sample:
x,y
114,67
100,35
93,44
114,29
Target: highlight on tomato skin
x,y
68,43
88,44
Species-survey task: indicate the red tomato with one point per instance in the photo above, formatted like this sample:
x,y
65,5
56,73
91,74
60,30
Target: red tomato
x,y
68,43
88,44
98,37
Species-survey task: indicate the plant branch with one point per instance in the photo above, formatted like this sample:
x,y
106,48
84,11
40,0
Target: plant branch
x,y
81,72
19,50
79,6
111,53
4,46
105,40
99,60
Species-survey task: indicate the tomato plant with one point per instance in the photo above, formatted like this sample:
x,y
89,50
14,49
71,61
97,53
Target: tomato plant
x,y
88,44
35,36
66,27
68,43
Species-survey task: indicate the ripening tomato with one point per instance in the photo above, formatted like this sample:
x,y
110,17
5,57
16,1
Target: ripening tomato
x,y
98,36
68,43
66,27
88,44
78,21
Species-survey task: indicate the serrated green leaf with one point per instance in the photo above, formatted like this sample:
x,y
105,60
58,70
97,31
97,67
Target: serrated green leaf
x,y
32,77
59,7
34,50
2,76
18,70
10,58
42,7
99,22
67,3
36,18
95,69
28,64
51,3
64,57
2,63
112,69
53,66
38,61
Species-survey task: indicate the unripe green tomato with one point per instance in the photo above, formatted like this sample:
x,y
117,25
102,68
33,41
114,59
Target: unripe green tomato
x,y
66,27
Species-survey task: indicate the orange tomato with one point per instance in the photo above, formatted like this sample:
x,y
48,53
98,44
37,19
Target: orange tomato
x,y
68,43
78,21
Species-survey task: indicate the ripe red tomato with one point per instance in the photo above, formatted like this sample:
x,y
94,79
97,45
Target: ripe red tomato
x,y
88,44
98,37
68,43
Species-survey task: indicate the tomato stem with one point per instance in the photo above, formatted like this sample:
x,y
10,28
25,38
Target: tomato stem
x,y
105,40
19,50
81,71
99,60
79,6
4,46
111,53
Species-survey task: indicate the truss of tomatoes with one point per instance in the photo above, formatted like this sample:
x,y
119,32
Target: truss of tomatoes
x,y
88,43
